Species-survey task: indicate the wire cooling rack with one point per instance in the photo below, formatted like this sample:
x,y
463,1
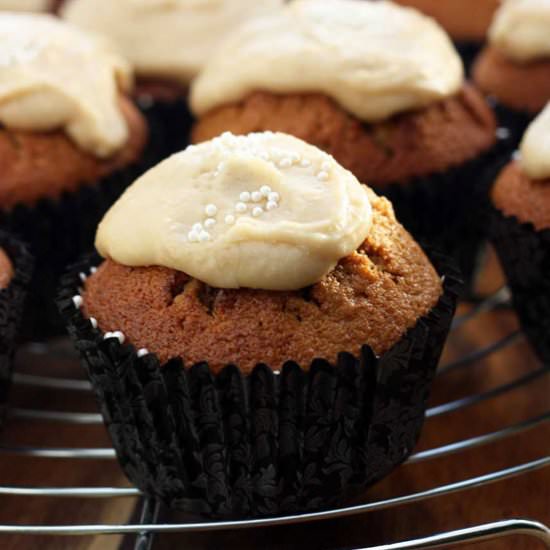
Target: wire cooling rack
x,y
149,525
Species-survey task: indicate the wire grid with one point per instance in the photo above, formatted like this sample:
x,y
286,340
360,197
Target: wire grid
x,y
149,525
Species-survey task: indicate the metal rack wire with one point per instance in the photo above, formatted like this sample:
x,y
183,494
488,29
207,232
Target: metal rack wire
x,y
149,525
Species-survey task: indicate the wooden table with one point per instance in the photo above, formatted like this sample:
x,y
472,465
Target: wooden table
x,y
527,496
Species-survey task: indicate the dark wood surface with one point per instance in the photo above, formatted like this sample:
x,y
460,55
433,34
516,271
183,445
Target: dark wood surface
x,y
527,496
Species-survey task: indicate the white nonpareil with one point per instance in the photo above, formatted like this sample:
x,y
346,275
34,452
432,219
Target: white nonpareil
x,y
296,232
55,76
535,147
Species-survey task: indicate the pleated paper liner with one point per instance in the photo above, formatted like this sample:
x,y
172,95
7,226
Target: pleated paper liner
x,y
12,300
447,211
58,232
524,254
229,445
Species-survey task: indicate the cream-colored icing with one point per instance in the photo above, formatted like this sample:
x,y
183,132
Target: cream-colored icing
x,y
535,147
25,5
312,213
55,76
375,59
521,29
166,38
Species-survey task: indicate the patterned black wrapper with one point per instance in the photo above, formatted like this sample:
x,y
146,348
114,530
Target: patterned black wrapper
x,y
516,122
229,445
12,300
58,232
447,212
170,124
524,254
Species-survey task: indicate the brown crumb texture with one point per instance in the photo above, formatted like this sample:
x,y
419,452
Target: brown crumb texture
x,y
413,144
6,270
45,165
519,86
515,194
373,296
464,20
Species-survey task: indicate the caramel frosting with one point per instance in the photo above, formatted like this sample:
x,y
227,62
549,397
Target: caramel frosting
x,y
166,38
264,211
25,5
375,59
535,147
521,29
54,76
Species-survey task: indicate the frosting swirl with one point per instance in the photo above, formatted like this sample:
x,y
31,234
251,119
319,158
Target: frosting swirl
x,y
263,211
521,29
55,76
535,147
375,59
165,38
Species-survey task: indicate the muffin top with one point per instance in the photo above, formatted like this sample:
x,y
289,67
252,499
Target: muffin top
x,y
54,76
375,59
298,261
521,28
168,39
6,270
261,211
25,5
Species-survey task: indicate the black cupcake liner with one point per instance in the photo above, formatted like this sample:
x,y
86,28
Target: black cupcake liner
x,y
447,212
229,445
12,301
524,254
516,122
58,232
468,51
170,124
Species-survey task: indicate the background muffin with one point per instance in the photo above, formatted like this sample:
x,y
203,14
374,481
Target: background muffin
x,y
70,140
272,286
521,232
167,43
515,66
378,86
15,273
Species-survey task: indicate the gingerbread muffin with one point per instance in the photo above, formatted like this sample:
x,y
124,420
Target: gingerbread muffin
x,y
466,21
514,68
15,273
521,232
70,142
272,290
167,43
379,87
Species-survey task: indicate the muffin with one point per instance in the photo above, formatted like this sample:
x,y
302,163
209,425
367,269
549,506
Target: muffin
x,y
514,68
521,232
378,86
15,273
466,21
70,142
265,342
167,43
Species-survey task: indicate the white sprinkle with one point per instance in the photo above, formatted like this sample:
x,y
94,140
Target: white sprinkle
x,y
209,223
322,176
211,210
107,335
271,205
93,270
503,133
142,352
276,372
197,227
265,190
325,166
119,336
93,322
193,236
204,237
273,197
285,163
256,196
258,211
240,207
305,163
83,277
516,155
78,301
245,196
229,219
